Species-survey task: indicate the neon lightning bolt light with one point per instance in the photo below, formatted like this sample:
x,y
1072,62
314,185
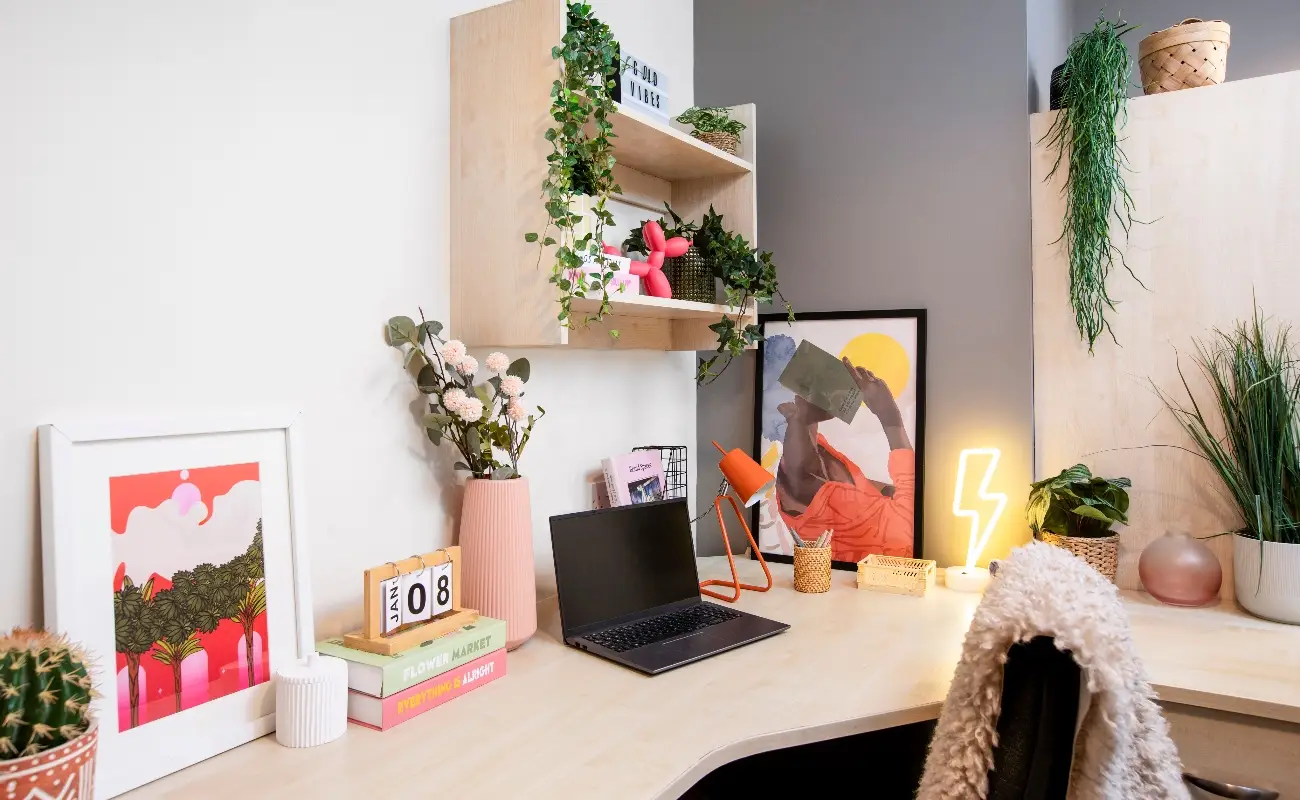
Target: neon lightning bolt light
x,y
978,540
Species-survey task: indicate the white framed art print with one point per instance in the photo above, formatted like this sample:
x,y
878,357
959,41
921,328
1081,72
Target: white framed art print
x,y
176,553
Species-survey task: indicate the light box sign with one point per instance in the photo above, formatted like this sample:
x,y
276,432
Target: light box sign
x,y
642,86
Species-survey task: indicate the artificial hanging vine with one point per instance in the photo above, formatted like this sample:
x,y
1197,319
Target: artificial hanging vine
x,y
1097,70
581,162
748,275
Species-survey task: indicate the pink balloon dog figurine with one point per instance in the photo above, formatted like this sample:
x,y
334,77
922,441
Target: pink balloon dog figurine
x,y
652,269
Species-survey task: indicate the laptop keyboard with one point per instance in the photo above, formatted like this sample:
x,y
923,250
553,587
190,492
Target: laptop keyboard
x,y
658,629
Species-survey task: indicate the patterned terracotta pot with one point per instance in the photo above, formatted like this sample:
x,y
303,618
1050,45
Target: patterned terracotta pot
x,y
66,771
496,540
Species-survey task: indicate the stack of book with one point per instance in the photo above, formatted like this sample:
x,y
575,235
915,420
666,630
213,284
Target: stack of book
x,y
384,691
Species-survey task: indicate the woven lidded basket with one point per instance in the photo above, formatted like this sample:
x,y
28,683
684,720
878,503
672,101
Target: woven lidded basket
x,y
812,569
1102,553
729,142
691,277
896,575
1190,54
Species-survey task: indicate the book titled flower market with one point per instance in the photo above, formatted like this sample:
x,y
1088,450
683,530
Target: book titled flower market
x,y
380,676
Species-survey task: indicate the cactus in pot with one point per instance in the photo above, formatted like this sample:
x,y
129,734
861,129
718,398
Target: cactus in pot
x,y
45,693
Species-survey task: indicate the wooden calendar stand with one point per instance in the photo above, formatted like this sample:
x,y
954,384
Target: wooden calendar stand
x,y
372,639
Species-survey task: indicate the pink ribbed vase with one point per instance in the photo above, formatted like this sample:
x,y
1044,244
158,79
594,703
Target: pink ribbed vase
x,y
496,540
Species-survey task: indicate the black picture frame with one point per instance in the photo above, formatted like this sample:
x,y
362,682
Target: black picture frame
x,y
918,443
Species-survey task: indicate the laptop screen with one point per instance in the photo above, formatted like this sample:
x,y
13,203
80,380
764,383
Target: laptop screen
x,y
618,561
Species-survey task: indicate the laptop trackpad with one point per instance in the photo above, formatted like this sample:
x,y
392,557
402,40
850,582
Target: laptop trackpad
x,y
688,648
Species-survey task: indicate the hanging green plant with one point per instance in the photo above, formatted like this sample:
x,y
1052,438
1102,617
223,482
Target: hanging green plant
x,y
748,275
581,161
1097,70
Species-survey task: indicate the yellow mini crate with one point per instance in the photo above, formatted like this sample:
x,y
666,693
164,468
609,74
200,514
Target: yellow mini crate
x,y
911,576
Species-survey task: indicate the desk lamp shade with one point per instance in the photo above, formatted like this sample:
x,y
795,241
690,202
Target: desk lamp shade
x,y
745,475
750,482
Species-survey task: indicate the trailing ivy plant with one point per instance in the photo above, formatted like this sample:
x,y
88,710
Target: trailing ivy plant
x,y
706,119
1097,70
581,161
747,275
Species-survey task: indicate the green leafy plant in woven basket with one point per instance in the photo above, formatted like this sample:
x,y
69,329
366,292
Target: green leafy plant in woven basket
x,y
708,119
1077,503
45,692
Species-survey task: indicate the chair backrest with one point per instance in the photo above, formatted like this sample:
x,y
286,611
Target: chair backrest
x,y
1037,723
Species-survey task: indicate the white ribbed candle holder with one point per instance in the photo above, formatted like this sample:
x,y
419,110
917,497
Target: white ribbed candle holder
x,y
311,701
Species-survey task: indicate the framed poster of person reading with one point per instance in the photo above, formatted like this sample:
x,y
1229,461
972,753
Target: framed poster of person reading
x,y
840,421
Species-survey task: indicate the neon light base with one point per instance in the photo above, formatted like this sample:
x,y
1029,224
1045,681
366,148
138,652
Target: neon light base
x,y
966,579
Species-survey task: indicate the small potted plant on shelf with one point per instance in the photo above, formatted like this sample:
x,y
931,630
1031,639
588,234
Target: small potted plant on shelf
x,y
714,126
690,275
1255,384
45,694
1074,510
489,425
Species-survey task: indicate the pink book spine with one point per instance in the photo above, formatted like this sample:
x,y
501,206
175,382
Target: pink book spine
x,y
422,697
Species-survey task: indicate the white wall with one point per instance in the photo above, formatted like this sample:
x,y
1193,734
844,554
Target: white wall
x,y
1049,24
208,206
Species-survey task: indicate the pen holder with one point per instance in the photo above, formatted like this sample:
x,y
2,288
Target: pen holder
x,y
812,569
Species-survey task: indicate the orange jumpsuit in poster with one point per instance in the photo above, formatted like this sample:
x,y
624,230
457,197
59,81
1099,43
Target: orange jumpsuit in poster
x,y
864,519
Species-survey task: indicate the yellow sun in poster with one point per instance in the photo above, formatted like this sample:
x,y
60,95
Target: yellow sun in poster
x,y
883,356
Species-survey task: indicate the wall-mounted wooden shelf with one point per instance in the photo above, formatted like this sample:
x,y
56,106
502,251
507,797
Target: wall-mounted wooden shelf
x,y
501,76
655,148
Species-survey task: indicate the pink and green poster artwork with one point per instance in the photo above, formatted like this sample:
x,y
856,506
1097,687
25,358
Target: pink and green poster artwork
x,y
189,592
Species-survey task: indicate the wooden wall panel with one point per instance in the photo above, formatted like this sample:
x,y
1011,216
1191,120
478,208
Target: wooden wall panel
x,y
1216,171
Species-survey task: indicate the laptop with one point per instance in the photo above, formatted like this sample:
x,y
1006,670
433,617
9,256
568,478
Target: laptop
x,y
629,590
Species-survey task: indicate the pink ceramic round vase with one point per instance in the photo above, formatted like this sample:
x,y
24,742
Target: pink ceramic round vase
x,y
496,541
1180,570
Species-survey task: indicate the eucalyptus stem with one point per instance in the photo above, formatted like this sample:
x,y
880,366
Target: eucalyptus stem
x,y
1085,135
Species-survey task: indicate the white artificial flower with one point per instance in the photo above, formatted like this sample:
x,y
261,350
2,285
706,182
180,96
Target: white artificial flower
x,y
467,366
516,411
471,410
512,386
498,362
454,400
453,351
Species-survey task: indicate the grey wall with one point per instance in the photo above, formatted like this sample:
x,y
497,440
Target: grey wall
x,y
893,172
1265,33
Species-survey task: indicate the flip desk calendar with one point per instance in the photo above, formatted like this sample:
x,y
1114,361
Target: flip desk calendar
x,y
410,602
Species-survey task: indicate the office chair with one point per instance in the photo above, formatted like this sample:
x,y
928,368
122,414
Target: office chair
x,y
1037,723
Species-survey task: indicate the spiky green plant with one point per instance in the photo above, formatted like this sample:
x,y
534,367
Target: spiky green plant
x,y
1085,135
45,692
1253,376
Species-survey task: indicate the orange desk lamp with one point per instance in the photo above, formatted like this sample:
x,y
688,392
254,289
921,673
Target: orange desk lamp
x,y
750,482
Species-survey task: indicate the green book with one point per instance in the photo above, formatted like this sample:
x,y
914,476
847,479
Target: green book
x,y
380,676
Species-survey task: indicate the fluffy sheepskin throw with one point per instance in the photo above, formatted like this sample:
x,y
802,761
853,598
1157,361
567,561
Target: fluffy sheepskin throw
x,y
1122,751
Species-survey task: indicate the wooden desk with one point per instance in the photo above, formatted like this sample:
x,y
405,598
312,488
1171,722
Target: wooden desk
x,y
566,724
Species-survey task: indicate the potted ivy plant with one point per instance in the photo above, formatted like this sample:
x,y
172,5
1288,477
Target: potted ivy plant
x,y
1075,510
713,126
1254,381
748,276
580,167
